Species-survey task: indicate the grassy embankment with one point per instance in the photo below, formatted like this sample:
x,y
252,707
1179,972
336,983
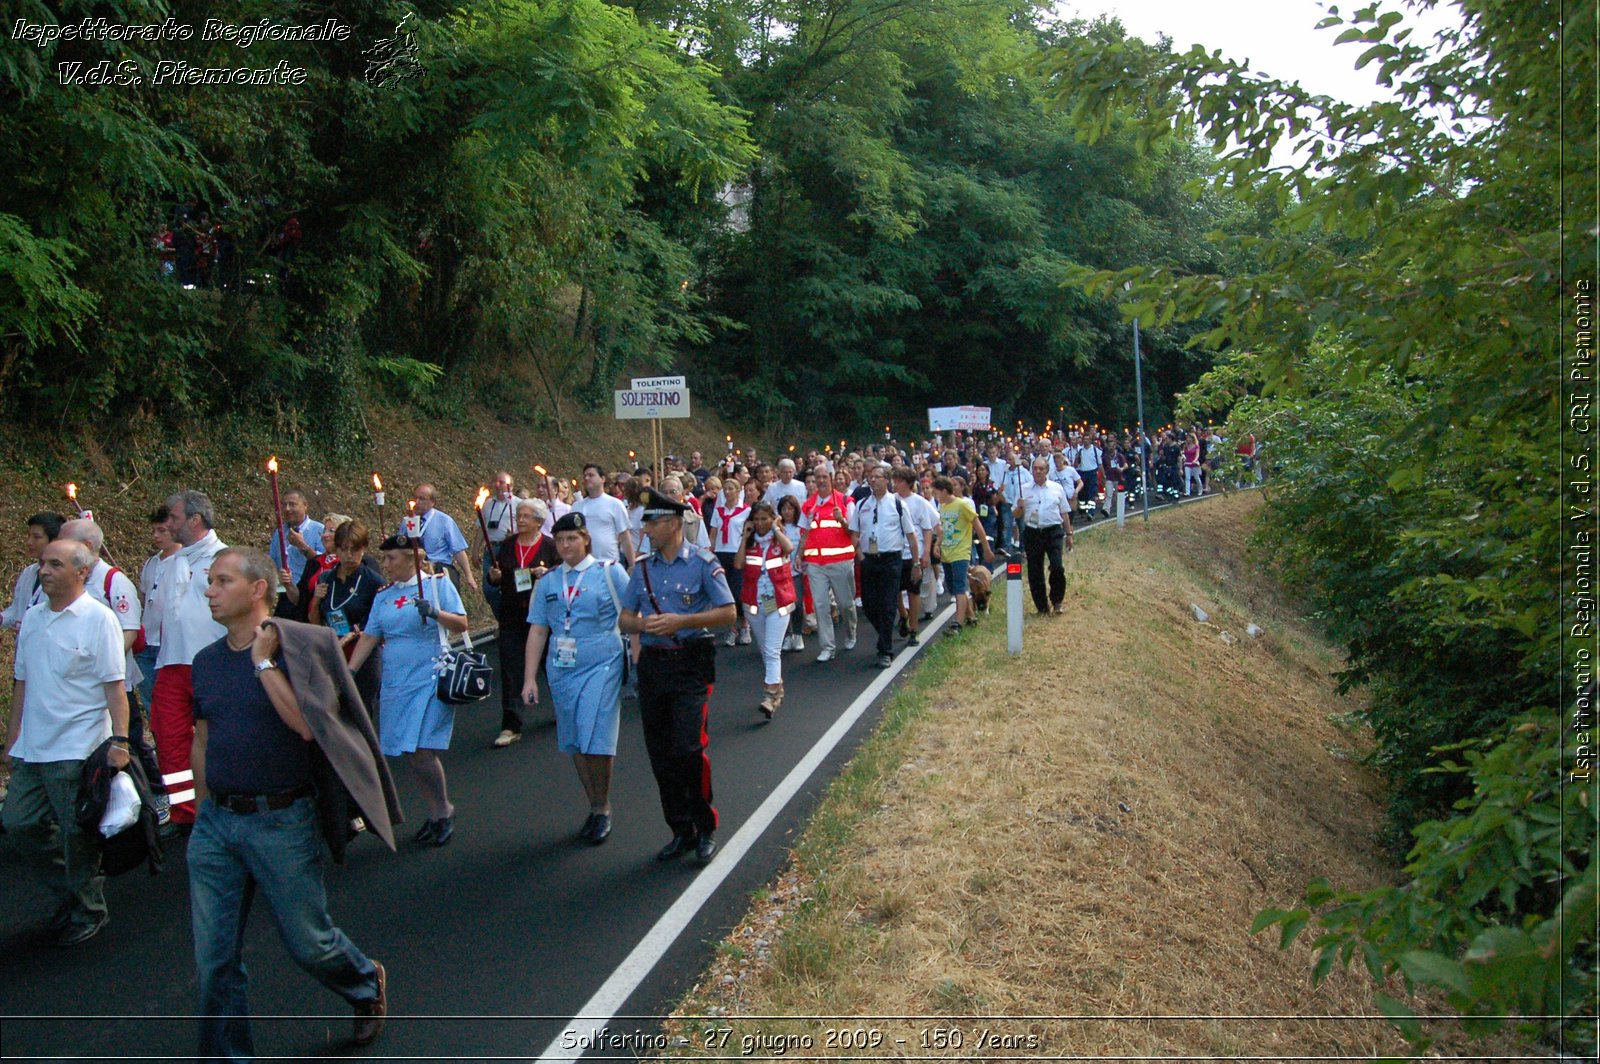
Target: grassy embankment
x,y
122,480
1085,832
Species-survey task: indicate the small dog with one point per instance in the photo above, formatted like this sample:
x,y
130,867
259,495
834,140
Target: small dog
x,y
978,578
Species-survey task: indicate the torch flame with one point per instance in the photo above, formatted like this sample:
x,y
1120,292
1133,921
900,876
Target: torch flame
x,y
539,469
411,505
272,464
483,497
377,482
72,492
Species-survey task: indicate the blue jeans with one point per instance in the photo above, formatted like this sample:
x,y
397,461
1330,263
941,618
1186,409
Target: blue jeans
x,y
278,852
146,660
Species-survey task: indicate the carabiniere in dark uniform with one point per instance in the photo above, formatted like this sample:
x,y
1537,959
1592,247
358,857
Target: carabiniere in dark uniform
x,y
674,597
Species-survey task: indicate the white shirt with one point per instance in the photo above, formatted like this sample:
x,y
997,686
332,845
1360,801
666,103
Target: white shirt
x,y
778,489
186,624
884,527
23,597
1044,505
1013,481
501,517
606,518
1088,458
66,659
149,583
556,510
1067,477
728,524
124,606
924,517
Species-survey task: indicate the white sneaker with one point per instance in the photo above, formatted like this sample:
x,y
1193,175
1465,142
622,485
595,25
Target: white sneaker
x,y
826,655
799,642
850,644
744,638
732,638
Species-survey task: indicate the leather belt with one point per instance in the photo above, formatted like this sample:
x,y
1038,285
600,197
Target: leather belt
x,y
244,804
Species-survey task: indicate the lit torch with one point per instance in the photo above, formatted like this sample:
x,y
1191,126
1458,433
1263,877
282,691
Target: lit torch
x,y
277,508
483,524
72,495
377,500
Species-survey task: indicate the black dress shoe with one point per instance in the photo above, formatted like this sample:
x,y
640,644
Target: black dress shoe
x,y
586,832
443,829
680,845
705,848
601,829
426,832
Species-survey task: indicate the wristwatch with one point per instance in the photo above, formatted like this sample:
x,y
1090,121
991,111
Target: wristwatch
x,y
266,666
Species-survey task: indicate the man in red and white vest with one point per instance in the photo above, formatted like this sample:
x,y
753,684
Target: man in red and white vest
x,y
829,555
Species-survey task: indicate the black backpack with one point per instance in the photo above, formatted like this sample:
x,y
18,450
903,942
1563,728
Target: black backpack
x,y
139,843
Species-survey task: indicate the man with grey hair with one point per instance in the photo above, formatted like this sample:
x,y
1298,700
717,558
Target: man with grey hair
x,y
786,484
112,588
68,699
186,629
694,527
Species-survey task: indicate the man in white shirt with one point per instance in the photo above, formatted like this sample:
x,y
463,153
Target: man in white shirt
x,y
186,629
43,528
111,588
786,484
1045,514
68,699
304,537
925,519
606,518
887,543
500,515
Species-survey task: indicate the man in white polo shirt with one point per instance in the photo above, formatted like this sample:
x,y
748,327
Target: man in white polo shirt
x,y
68,699
606,518
186,628
887,543
1045,515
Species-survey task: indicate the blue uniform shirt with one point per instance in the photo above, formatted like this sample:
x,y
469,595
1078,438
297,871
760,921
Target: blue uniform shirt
x,y
441,538
693,582
310,529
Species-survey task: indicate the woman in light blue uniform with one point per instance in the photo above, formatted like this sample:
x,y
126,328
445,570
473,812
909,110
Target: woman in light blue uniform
x,y
414,722
574,608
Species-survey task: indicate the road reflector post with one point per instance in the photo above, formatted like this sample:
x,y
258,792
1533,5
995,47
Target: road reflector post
x,y
1122,508
1014,607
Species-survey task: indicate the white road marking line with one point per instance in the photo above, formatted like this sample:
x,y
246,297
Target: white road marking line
x,y
600,1009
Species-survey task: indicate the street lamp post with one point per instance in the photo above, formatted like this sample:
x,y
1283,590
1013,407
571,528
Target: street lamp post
x,y
1138,392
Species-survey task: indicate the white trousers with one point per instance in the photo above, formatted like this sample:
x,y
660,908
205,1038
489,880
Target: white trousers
x,y
768,629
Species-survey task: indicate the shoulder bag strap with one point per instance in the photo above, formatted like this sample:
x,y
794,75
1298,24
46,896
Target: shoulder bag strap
x,y
616,600
444,642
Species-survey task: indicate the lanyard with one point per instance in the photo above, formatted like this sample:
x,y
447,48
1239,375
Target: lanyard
x,y
570,592
355,587
533,549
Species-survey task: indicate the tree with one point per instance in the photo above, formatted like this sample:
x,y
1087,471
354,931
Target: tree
x,y
1402,317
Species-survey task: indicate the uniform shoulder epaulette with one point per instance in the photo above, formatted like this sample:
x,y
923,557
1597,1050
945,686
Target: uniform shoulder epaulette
x,y
703,554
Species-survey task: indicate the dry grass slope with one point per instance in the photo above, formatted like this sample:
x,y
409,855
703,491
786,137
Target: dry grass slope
x,y
1087,831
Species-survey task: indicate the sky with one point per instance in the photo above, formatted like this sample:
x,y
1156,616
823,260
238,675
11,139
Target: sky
x,y
1275,36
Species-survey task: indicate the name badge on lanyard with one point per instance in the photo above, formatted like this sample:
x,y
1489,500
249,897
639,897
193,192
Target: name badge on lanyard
x,y
566,655
524,579
339,623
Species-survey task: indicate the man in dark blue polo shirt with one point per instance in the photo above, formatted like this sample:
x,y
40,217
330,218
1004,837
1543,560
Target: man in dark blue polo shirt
x,y
674,596
256,832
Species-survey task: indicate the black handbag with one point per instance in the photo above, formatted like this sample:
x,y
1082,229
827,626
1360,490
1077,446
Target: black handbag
x,y
460,676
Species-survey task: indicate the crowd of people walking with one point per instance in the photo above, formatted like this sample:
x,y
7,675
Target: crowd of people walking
x,y
266,686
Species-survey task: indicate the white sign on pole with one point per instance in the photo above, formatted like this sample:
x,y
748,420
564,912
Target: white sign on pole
x,y
655,403
960,418
650,384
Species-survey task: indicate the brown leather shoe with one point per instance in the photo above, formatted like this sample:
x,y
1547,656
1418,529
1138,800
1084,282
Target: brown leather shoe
x,y
370,1014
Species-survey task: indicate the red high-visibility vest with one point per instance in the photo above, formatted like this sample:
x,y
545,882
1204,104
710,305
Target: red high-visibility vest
x,y
778,567
828,538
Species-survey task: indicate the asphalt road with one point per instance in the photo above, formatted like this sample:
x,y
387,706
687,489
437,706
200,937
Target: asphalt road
x,y
493,942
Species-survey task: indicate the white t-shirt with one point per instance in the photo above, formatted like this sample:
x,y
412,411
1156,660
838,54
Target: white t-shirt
x,y
606,518
66,659
23,596
924,518
778,489
124,606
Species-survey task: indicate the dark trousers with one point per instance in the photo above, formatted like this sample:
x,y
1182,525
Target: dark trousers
x,y
513,670
139,743
1036,544
880,596
673,703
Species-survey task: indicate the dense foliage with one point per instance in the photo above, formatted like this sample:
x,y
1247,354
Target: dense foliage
x,y
831,212
1396,340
